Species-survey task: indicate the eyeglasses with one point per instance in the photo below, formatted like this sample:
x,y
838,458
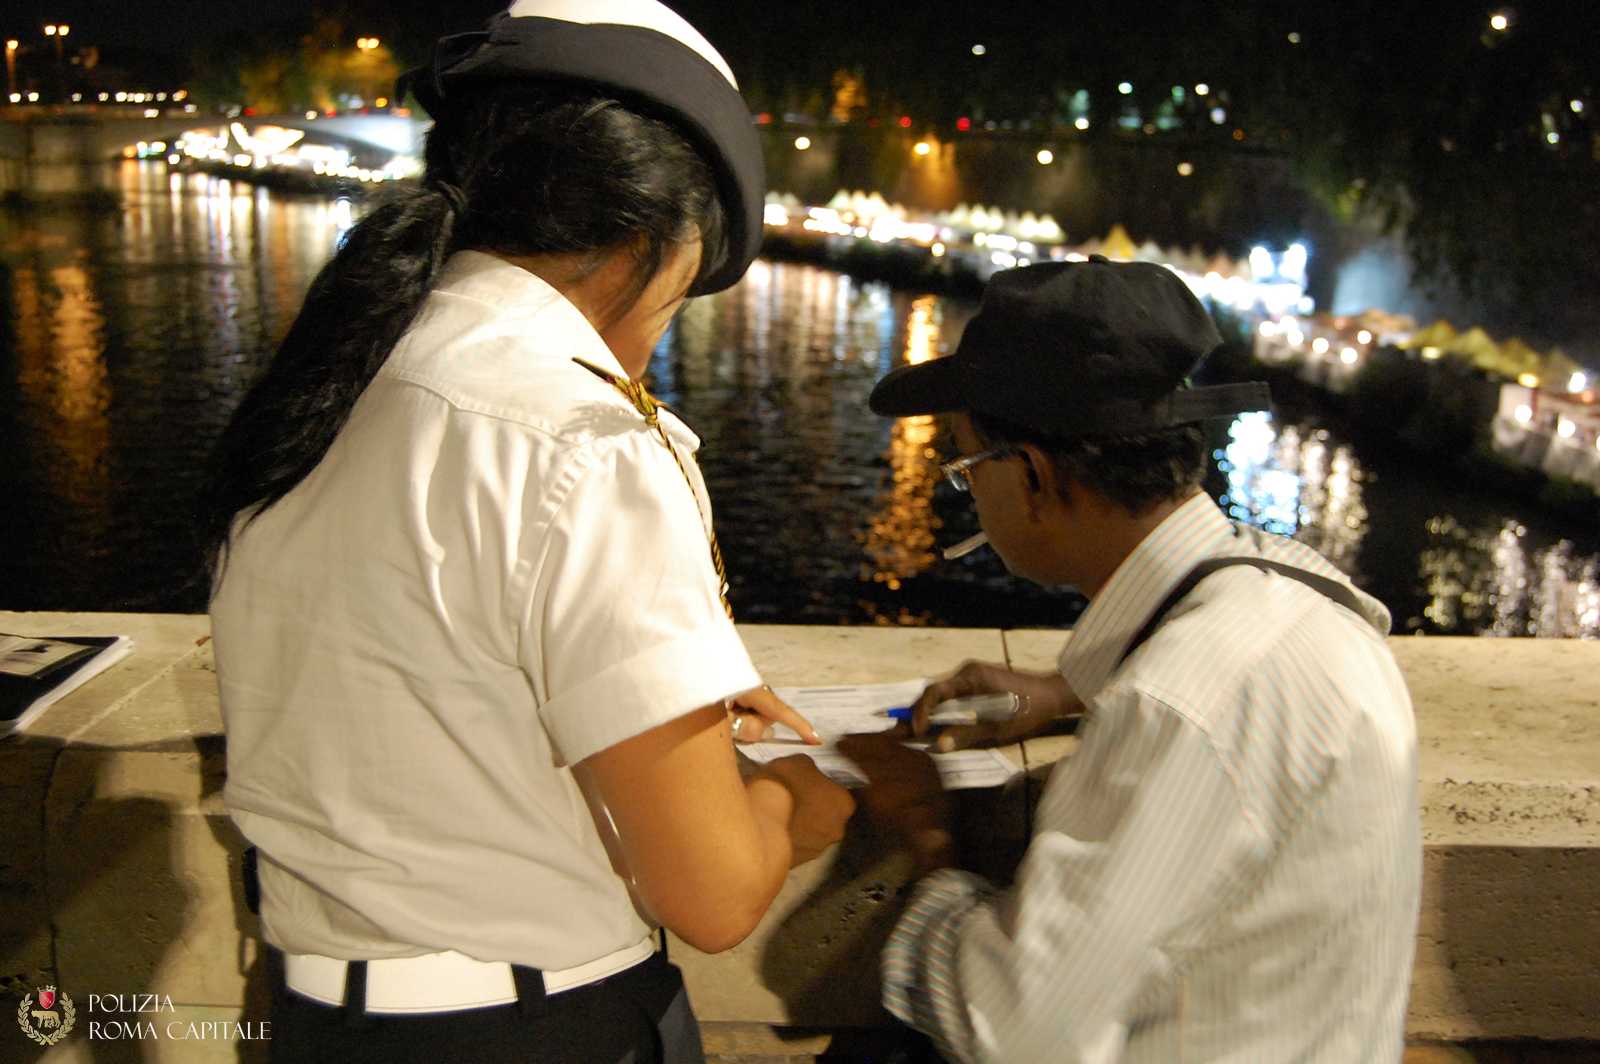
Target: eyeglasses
x,y
958,470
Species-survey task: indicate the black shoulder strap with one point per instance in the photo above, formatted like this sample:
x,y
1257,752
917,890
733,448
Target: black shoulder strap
x,y
1339,592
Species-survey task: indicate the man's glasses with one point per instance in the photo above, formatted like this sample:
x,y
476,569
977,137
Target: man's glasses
x,y
958,470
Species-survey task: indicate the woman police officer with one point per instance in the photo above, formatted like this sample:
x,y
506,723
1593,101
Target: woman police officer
x,y
471,628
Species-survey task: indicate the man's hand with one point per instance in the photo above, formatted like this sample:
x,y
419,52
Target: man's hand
x,y
1045,700
905,795
820,808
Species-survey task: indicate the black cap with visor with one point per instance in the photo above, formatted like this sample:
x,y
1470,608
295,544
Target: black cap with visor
x,y
1072,349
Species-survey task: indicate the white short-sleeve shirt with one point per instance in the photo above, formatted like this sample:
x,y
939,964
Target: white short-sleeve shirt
x,y
497,570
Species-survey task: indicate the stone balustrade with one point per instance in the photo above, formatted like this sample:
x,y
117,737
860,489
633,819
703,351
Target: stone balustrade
x,y
120,873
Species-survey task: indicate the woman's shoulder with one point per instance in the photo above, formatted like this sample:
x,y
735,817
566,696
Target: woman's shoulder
x,y
515,361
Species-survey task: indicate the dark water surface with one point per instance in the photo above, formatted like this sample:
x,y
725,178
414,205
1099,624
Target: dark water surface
x,y
127,336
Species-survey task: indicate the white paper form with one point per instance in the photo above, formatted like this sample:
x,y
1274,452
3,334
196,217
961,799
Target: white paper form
x,y
842,710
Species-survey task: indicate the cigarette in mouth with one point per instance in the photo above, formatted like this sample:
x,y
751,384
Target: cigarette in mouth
x,y
965,547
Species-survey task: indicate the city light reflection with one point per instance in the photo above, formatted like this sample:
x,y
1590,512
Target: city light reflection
x,y
127,324
1486,579
1296,481
900,535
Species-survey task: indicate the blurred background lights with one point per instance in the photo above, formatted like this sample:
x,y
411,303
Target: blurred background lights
x,y
1293,265
979,49
802,143
1185,169
1045,156
1125,87
1202,89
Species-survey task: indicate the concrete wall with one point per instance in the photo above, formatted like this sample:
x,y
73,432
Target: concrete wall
x,y
120,871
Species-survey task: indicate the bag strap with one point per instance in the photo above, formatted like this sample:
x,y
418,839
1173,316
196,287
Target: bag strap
x,y
1340,593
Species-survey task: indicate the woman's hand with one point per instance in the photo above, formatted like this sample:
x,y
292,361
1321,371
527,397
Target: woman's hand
x,y
755,712
1044,695
820,810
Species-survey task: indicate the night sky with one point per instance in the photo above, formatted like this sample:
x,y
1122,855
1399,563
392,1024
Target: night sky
x,y
178,26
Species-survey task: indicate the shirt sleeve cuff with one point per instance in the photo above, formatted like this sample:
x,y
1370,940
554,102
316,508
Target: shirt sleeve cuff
x,y
920,976
649,689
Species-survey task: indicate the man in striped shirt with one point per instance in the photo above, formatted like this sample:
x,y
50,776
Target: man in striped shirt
x,y
1228,867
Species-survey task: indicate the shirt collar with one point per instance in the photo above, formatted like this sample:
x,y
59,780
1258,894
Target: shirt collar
x,y
563,331
1193,532
516,292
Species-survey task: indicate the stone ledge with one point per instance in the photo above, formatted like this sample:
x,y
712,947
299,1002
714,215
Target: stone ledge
x,y
121,869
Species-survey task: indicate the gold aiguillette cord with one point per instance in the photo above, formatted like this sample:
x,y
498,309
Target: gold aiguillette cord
x,y
647,405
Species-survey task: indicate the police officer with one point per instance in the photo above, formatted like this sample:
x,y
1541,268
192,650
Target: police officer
x,y
473,645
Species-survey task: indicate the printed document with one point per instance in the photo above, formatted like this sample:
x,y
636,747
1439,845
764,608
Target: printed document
x,y
843,710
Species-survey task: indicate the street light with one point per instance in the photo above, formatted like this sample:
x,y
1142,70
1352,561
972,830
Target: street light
x,y
367,47
59,32
11,66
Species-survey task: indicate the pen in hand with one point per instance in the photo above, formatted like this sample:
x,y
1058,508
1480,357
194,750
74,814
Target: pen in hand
x,y
973,709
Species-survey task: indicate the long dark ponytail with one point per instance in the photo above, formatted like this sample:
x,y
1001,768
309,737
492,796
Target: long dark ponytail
x,y
518,169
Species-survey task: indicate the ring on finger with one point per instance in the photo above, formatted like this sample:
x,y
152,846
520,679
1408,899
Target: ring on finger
x,y
738,722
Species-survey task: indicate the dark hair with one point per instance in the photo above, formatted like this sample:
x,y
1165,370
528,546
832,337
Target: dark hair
x,y
520,169
1136,472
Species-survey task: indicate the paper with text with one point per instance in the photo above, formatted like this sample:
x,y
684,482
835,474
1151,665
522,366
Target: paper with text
x,y
837,711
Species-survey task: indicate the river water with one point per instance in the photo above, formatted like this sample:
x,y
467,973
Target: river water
x,y
128,335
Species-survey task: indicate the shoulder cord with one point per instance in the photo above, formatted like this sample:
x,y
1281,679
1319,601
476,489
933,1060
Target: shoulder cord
x,y
647,405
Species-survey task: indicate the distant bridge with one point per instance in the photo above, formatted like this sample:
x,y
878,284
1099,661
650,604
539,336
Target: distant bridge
x,y
47,150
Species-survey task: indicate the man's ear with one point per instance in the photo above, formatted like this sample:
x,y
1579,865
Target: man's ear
x,y
1044,482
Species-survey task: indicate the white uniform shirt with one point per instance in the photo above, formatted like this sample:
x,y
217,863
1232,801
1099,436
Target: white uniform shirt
x,y
497,570
1229,866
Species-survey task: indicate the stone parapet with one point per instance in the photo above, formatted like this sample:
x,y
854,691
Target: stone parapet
x,y
120,869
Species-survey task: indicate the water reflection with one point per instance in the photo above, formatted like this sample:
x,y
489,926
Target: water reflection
x,y
899,541
130,335
1488,580
1476,576
1295,480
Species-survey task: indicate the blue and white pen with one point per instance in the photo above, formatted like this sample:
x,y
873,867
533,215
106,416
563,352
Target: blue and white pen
x,y
973,709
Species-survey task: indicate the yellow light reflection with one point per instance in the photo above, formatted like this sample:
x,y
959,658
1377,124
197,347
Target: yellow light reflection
x,y
62,374
900,538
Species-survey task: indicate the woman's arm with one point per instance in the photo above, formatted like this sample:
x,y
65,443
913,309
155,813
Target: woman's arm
x,y
708,850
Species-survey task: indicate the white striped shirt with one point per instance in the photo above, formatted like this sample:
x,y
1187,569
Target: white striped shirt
x,y
1228,868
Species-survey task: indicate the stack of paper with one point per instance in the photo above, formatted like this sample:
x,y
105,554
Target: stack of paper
x,y
37,671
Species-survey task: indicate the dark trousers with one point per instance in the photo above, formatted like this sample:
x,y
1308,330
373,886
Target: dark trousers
x,y
638,1016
